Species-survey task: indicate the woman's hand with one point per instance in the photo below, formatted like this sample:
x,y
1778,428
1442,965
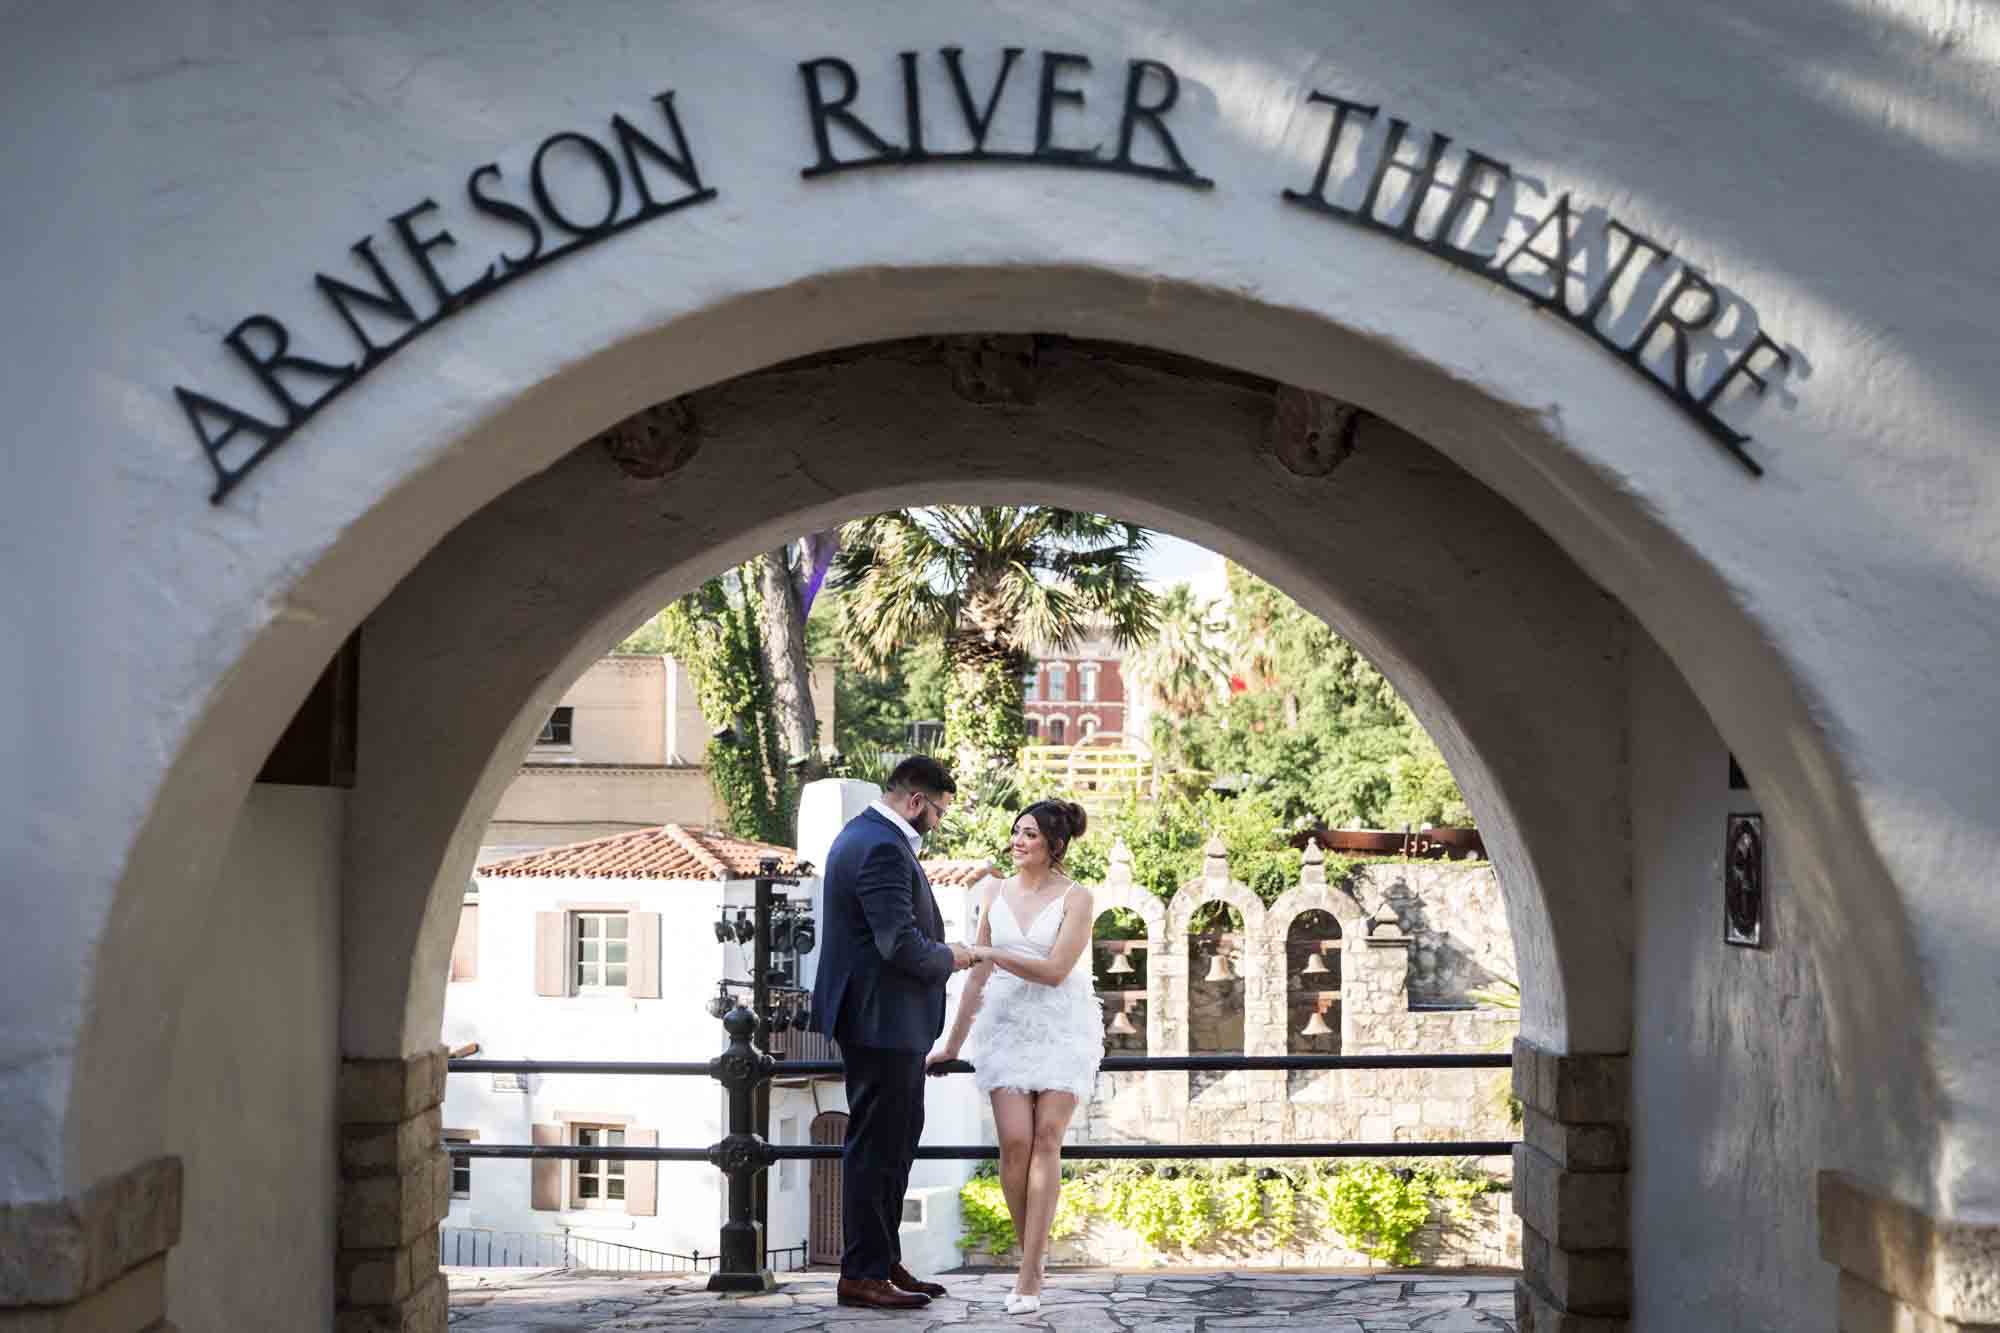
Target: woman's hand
x,y
942,1055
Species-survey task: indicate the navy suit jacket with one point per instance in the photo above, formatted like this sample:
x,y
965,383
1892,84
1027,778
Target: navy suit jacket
x,y
882,965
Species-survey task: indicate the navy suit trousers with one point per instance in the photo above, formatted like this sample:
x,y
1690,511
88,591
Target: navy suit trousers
x,y
885,1117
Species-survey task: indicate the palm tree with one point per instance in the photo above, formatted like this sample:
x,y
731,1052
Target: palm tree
x,y
1183,664
994,583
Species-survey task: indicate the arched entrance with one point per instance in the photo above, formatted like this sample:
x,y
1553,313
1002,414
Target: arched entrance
x,y
1582,596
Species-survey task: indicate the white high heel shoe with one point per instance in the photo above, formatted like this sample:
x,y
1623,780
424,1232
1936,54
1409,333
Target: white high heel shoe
x,y
1019,1304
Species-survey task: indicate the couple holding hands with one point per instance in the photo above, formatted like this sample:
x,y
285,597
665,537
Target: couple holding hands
x,y
1028,1005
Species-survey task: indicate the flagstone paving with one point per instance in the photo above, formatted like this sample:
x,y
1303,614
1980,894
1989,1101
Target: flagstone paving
x,y
518,1300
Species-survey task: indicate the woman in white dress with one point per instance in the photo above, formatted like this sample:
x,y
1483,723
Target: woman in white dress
x,y
1036,1023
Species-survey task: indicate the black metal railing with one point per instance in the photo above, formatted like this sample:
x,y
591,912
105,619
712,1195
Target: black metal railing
x,y
743,1153
476,1247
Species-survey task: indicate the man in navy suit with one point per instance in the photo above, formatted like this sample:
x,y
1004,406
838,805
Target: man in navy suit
x,y
879,992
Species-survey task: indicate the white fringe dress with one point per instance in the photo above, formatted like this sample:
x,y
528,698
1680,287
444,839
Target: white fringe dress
x,y
1028,1037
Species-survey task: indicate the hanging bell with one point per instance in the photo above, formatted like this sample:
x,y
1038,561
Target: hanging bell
x,y
1218,969
1316,1026
1315,965
1121,966
1120,1025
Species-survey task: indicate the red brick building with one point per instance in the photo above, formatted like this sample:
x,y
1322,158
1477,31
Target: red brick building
x,y
1074,695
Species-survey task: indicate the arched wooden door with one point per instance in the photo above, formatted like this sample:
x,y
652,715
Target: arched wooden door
x,y
823,1237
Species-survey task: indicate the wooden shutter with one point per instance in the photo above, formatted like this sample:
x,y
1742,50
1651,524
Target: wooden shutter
x,y
545,1174
642,1179
551,953
465,945
642,978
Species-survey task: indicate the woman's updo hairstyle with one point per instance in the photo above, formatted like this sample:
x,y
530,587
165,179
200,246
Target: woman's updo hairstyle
x,y
1061,823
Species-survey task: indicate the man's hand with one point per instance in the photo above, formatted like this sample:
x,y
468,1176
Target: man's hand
x,y
961,957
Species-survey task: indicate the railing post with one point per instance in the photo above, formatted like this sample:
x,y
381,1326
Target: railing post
x,y
760,1004
741,1155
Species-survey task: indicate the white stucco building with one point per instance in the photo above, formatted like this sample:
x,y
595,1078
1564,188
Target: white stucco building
x,y
605,950
1618,378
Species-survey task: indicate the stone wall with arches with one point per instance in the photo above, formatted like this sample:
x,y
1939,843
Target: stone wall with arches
x,y
1373,1009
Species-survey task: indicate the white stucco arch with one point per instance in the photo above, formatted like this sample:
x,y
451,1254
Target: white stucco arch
x,y
1834,620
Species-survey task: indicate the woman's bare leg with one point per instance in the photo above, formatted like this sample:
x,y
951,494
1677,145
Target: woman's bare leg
x,y
1014,1119
1052,1115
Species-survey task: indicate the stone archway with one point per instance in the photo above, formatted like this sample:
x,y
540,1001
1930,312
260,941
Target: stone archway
x,y
1826,621
602,540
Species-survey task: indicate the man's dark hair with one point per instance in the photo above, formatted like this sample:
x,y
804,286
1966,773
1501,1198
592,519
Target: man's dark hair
x,y
922,773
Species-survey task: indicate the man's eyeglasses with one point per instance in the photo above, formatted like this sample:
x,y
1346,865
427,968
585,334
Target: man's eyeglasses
x,y
936,809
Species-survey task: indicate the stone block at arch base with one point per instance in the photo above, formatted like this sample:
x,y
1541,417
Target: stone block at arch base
x,y
96,1262
1902,1270
1571,1190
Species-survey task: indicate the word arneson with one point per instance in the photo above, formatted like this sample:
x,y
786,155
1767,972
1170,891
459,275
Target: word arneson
x,y
578,193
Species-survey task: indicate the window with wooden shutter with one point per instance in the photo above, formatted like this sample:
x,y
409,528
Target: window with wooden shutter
x,y
465,945
642,1179
601,952
545,1174
551,954
643,981
598,1182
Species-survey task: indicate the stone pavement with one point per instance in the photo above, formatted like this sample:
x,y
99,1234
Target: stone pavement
x,y
515,1300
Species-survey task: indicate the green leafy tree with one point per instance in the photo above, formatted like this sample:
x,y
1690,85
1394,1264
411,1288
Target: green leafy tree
x,y
1312,726
990,583
713,632
1182,668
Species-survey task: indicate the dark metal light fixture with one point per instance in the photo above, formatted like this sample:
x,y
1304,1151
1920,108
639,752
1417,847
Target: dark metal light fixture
x,y
720,1003
746,930
723,931
804,937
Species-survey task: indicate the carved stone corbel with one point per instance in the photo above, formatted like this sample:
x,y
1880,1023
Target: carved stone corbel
x,y
655,442
1311,434
993,369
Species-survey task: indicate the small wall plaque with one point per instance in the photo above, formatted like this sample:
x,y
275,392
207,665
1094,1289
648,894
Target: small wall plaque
x,y
1743,882
510,1082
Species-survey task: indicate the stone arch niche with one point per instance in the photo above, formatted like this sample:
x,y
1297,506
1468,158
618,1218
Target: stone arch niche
x,y
1119,893
1312,919
1589,565
1241,1008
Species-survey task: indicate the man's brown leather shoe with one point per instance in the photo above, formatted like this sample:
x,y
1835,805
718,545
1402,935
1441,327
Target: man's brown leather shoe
x,y
876,1294
900,1278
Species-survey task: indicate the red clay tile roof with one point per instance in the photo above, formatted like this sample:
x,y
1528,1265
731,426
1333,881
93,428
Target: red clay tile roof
x,y
957,874
667,852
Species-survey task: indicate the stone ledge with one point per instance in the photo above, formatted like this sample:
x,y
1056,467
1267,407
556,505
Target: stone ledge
x,y
1866,1309
381,1150
388,1212
426,1311
1574,1210
1534,1312
62,1250
1944,1269
1592,1282
388,1092
1573,1089
366,1278
1577,1147
134,1303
